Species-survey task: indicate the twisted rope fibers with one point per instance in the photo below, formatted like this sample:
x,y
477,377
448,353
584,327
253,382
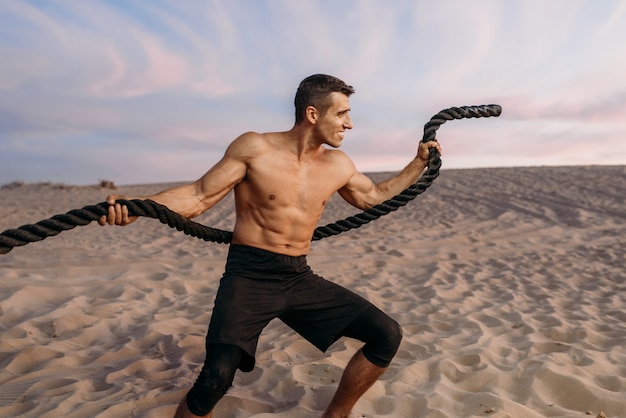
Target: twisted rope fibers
x,y
136,207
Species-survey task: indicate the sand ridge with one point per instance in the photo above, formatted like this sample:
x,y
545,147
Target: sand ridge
x,y
508,283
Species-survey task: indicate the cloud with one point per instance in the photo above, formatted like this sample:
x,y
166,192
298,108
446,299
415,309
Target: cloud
x,y
164,81
163,69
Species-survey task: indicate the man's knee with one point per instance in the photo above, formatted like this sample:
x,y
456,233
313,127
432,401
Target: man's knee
x,y
394,335
214,380
382,350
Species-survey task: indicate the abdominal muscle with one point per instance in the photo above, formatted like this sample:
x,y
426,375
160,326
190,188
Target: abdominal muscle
x,y
280,201
275,226
286,238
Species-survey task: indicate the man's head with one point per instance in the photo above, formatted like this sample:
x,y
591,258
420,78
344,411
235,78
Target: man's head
x,y
315,91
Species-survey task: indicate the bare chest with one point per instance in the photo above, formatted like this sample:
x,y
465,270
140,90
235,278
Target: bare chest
x,y
279,183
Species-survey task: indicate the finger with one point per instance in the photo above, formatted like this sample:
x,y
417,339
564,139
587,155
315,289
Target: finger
x,y
111,215
118,214
125,220
111,199
434,144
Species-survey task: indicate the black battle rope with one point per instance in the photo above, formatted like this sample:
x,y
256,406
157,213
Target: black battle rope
x,y
78,217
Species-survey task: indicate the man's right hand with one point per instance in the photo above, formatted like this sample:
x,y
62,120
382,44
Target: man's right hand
x,y
117,214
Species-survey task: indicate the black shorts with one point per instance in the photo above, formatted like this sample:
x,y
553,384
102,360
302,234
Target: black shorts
x,y
260,285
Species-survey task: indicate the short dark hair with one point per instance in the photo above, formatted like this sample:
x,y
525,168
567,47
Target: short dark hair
x,y
314,91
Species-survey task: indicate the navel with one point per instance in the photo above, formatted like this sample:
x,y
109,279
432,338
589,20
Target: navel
x,y
272,197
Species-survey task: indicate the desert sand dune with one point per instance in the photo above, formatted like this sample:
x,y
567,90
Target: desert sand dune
x,y
509,284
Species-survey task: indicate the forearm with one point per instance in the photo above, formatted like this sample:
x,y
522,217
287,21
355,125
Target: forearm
x,y
187,200
363,194
409,175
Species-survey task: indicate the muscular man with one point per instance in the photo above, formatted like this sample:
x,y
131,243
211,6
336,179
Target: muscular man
x,y
282,181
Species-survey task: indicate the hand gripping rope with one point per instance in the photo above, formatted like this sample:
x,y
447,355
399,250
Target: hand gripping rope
x,y
78,217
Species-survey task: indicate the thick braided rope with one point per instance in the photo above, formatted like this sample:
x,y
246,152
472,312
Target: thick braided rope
x,y
78,217
425,180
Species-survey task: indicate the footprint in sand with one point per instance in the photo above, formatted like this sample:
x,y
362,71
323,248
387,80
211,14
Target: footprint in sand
x,y
317,374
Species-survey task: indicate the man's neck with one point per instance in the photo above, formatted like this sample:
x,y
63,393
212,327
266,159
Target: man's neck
x,y
302,143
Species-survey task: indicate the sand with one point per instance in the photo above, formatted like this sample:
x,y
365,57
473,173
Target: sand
x,y
509,284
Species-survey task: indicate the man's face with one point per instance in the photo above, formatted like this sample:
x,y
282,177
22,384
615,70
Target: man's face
x,y
334,122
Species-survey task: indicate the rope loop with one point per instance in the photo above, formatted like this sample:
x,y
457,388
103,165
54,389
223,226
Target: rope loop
x,y
136,207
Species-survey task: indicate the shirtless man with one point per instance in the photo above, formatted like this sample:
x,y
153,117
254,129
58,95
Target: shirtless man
x,y
282,181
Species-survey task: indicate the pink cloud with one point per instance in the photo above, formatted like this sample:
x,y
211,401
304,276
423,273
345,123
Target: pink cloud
x,y
163,69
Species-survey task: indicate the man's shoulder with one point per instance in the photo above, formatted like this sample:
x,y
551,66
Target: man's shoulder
x,y
337,156
249,143
251,138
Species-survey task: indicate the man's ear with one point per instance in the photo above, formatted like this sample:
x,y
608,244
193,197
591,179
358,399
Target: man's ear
x,y
311,114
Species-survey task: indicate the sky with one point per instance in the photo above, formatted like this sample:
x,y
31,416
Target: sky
x,y
154,91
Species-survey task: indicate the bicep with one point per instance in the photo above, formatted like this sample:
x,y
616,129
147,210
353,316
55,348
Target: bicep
x,y
359,191
224,175
220,179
